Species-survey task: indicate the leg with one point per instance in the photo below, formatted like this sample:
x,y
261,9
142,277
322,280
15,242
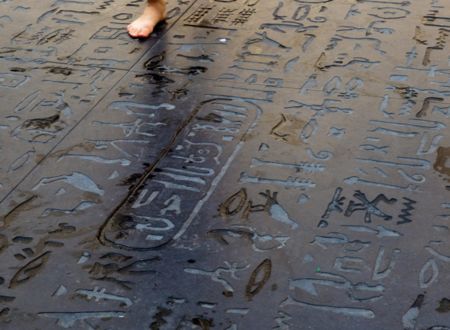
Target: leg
x,y
154,13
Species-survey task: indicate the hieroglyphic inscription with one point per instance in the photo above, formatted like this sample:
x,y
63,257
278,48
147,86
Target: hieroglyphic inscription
x,y
287,160
83,32
196,164
220,16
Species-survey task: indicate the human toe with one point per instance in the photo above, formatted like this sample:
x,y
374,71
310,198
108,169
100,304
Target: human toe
x,y
132,30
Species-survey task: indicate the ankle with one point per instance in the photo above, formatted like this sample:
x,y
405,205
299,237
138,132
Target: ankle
x,y
161,3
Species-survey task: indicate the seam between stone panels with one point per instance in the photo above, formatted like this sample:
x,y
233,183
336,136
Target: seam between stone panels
x,y
159,158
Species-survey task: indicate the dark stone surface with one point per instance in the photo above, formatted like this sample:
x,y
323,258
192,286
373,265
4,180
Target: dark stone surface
x,y
252,165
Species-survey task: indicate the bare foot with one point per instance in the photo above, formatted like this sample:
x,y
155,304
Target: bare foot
x,y
143,26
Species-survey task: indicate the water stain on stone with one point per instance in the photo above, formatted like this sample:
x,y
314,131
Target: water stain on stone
x,y
159,318
287,129
419,301
156,79
85,146
228,294
134,50
39,158
122,222
3,243
258,278
54,244
64,229
444,306
406,92
131,179
117,257
30,270
60,70
155,61
234,204
409,319
204,324
22,239
6,299
211,117
40,123
17,69
17,208
442,164
4,312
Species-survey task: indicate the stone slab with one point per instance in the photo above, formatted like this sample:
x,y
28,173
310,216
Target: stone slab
x,y
256,165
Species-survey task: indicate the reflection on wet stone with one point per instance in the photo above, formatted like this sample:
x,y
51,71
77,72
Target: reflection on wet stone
x,y
252,165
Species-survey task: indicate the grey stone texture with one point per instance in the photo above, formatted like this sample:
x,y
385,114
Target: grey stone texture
x,y
254,164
